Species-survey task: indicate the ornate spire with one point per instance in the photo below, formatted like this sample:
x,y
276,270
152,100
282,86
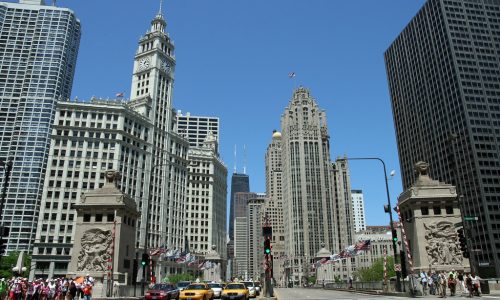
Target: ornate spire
x,y
159,23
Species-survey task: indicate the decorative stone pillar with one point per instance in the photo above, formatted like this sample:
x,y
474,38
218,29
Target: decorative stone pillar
x,y
324,272
430,214
214,272
104,245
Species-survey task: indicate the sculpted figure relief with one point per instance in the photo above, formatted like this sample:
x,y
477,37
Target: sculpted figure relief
x,y
442,243
94,254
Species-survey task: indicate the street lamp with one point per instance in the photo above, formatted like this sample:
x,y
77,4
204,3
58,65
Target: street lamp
x,y
388,210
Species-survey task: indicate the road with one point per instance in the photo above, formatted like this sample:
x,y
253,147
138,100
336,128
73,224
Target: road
x,y
320,294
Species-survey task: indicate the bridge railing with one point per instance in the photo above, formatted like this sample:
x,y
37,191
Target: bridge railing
x,y
357,285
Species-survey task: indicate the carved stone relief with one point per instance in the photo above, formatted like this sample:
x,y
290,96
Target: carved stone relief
x,y
442,243
94,254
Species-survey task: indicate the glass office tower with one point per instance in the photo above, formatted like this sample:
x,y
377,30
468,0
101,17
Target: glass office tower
x,y
38,51
443,71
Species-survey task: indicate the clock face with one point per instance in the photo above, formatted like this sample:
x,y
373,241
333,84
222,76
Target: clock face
x,y
165,66
143,64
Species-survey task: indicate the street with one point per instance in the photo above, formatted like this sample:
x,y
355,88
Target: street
x,y
320,294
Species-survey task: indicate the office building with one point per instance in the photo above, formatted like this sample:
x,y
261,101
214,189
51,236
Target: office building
x,y
274,204
316,192
358,210
240,259
38,50
239,183
255,221
196,128
88,138
206,201
444,83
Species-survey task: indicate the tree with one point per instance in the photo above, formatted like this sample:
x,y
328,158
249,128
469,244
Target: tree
x,y
174,278
10,261
376,271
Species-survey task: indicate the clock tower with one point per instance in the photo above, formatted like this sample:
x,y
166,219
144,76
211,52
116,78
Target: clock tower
x,y
162,202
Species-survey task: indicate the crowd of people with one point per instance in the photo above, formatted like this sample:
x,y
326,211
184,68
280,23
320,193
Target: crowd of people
x,y
19,288
438,283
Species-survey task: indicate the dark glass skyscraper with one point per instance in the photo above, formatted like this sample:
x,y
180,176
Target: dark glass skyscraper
x,y
444,79
239,183
38,50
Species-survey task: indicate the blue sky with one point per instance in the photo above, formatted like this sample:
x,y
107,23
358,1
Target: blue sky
x,y
233,57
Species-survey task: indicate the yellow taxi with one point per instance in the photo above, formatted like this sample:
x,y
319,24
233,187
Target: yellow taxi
x,y
235,291
197,291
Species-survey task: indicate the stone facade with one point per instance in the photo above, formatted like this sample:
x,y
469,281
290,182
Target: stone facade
x,y
429,211
105,228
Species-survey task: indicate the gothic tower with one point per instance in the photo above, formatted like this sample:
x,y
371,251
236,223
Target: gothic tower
x,y
162,205
308,206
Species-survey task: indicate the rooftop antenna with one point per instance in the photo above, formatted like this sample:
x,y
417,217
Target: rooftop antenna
x,y
235,158
54,2
244,159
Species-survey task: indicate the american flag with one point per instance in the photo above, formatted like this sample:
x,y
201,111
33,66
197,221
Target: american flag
x,y
363,245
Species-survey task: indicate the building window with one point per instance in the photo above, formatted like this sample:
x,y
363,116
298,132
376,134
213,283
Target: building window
x,y
424,210
86,218
98,217
449,210
437,210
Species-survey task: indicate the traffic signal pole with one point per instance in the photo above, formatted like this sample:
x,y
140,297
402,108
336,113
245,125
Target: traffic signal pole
x,y
267,233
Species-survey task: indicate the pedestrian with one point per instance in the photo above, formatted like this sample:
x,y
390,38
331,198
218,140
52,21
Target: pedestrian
x,y
442,284
424,280
468,285
430,283
87,292
460,283
451,283
475,284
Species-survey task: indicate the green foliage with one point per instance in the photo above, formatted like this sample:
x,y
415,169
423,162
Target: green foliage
x,y
311,279
9,261
174,278
376,271
337,279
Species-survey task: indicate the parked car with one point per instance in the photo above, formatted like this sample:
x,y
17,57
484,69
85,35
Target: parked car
x,y
217,288
235,291
162,291
197,291
252,292
182,284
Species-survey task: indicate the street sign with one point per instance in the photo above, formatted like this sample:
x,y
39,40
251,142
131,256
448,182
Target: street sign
x,y
397,267
459,224
470,218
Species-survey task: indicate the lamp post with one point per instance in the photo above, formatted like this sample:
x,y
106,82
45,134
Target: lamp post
x,y
394,246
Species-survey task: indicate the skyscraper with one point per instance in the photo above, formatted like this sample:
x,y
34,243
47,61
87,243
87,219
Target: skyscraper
x,y
443,73
274,204
358,210
38,51
239,183
162,204
316,192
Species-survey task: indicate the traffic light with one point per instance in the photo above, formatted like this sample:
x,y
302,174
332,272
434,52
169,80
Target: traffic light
x,y
144,260
463,243
394,235
267,246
